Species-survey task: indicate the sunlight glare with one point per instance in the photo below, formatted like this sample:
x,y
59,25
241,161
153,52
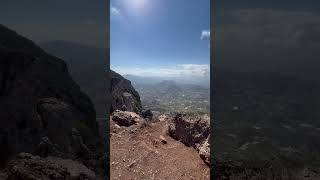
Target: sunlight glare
x,y
137,4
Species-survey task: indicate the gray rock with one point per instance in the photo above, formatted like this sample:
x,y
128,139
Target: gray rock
x,y
190,129
125,118
204,151
124,96
193,130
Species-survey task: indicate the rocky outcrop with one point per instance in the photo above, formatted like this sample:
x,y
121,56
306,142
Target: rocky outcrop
x,y
125,118
30,167
163,117
147,114
190,129
124,96
204,150
38,100
193,130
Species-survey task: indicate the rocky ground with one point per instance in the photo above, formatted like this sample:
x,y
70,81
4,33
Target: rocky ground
x,y
145,150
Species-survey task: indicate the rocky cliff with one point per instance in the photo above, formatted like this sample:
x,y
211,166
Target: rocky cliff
x,y
87,66
124,96
40,104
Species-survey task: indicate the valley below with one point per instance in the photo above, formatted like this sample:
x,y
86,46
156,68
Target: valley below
x,y
172,97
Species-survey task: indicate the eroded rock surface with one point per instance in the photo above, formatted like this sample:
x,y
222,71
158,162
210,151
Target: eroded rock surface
x,y
124,96
125,118
193,130
204,150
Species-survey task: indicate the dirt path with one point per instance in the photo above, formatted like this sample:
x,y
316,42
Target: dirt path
x,y
141,155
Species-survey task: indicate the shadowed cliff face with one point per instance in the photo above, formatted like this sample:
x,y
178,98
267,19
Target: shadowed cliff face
x,y
38,98
124,96
87,66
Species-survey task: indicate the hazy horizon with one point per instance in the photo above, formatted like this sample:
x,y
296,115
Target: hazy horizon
x,y
145,79
78,21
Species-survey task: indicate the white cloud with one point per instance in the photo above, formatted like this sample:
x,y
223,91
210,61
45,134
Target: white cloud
x,y
205,34
181,70
114,10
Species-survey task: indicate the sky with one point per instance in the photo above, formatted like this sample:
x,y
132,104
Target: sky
x,y
271,36
80,21
163,38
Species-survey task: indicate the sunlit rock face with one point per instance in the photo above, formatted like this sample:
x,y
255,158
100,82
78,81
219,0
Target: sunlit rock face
x,y
124,96
193,130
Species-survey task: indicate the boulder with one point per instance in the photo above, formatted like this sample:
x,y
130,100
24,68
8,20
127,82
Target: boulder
x,y
125,118
190,129
193,130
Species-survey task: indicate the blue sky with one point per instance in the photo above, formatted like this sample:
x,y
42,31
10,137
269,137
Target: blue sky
x,y
160,37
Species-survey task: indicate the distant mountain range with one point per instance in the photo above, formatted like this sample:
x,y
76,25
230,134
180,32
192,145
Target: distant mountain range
x,y
154,79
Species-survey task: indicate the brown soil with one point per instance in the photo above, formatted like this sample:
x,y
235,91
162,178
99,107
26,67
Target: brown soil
x,y
138,153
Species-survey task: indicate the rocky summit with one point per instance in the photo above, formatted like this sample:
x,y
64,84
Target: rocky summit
x,y
148,146
43,111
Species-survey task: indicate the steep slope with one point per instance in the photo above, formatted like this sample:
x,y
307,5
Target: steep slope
x,y
124,96
87,66
39,102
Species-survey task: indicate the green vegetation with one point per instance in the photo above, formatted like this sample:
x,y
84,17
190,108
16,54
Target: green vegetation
x,y
171,97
